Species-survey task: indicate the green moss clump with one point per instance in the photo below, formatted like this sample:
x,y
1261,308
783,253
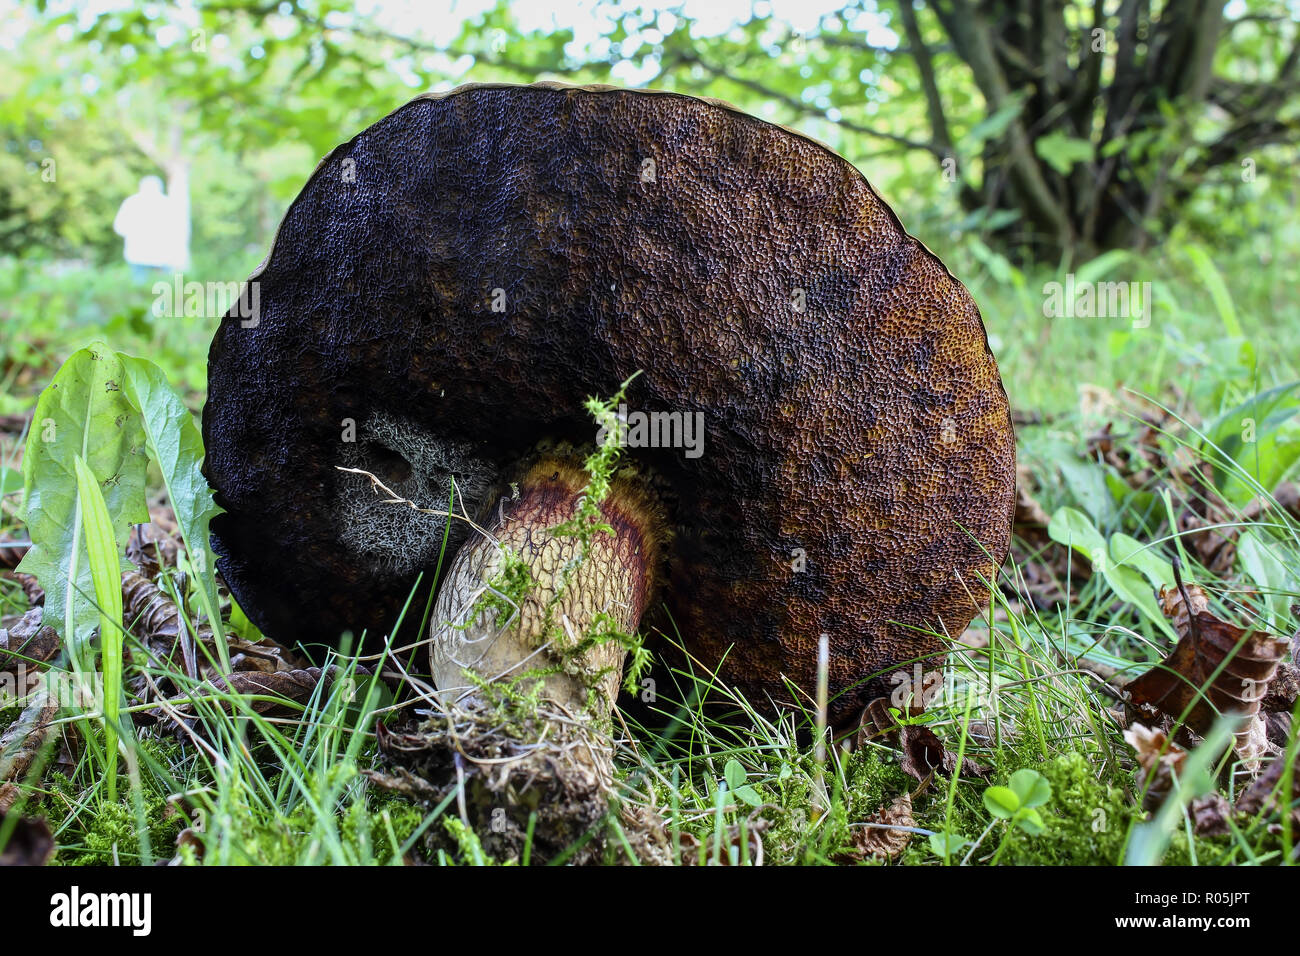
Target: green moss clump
x,y
106,834
1087,820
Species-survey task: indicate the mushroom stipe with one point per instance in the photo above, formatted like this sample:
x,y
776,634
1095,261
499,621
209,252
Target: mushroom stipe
x,y
453,283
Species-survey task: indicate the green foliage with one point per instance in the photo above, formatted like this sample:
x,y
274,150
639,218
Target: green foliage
x,y
1016,803
82,413
176,447
600,466
1086,822
106,572
735,777
1072,528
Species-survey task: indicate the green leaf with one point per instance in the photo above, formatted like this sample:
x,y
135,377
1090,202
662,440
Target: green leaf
x,y
1072,528
1028,819
735,775
1062,152
1273,578
1132,552
1087,483
1030,787
748,795
106,572
946,844
1002,802
993,126
1219,294
176,444
1132,587
1096,269
11,480
82,412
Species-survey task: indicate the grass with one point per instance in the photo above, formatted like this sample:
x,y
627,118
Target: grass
x,y
250,784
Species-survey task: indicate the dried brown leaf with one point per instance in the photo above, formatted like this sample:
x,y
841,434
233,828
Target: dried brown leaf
x,y
290,687
1159,761
922,753
1210,814
27,645
12,552
151,548
883,838
1205,642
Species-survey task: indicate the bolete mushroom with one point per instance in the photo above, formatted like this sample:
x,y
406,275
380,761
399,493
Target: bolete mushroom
x,y
455,281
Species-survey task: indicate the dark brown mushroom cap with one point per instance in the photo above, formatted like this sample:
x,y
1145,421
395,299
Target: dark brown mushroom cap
x,y
857,475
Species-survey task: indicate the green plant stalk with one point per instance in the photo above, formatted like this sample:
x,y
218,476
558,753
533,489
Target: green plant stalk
x,y
952,781
106,573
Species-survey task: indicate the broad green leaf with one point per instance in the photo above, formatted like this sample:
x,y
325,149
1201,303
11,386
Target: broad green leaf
x,y
748,795
1074,529
1087,483
735,775
1132,587
945,844
175,443
1132,552
1031,787
106,572
1269,573
1100,267
1002,802
1071,527
82,412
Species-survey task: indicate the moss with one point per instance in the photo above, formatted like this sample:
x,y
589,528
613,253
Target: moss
x,y
1087,820
105,834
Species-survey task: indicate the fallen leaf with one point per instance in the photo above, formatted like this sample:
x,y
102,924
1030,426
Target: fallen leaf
x,y
1262,795
290,687
27,645
1205,642
1210,814
151,548
22,742
1159,761
921,751
12,552
883,839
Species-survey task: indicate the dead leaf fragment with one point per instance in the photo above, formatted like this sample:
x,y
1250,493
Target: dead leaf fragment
x,y
22,743
1159,761
922,753
883,838
27,644
1210,814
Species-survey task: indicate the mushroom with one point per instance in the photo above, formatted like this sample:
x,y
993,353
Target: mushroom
x,y
825,445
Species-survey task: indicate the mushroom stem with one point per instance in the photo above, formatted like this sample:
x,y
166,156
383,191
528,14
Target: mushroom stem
x,y
535,614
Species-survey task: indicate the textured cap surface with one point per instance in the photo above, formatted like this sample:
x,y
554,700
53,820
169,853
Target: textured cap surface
x,y
480,262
